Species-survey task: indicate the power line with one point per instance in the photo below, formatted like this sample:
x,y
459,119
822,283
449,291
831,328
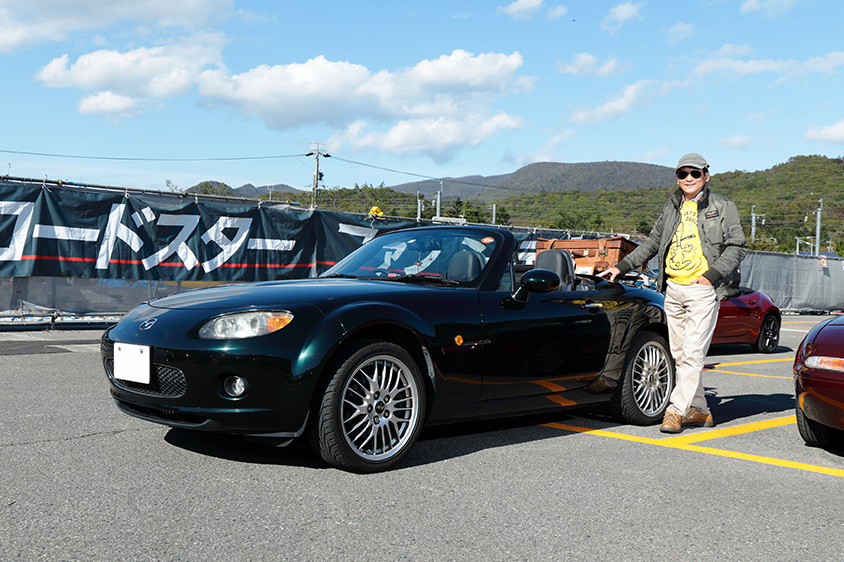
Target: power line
x,y
135,159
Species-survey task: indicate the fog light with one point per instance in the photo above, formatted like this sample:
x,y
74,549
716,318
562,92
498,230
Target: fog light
x,y
235,386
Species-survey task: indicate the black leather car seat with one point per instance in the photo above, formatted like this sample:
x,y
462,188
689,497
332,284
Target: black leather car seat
x,y
465,266
561,263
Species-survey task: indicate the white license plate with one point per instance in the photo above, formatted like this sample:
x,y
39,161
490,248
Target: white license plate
x,y
132,362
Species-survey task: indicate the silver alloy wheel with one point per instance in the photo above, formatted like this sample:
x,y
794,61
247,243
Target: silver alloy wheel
x,y
652,378
380,408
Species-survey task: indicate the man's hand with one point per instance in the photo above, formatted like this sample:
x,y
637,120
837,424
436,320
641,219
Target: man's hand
x,y
610,273
702,281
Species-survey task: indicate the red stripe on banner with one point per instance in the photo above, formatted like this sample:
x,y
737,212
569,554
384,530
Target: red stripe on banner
x,y
57,258
278,265
180,264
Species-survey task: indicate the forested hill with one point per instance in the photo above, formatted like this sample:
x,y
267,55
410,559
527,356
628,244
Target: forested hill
x,y
548,177
784,198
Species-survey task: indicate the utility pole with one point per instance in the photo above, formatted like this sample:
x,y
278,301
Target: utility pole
x,y
317,174
818,229
753,216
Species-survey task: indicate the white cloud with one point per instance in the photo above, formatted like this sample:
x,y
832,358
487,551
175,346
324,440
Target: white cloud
x,y
633,96
23,24
736,142
547,153
620,15
291,95
160,72
832,134
786,69
336,93
679,32
557,12
587,64
768,8
438,138
112,106
658,154
521,9
440,104
730,50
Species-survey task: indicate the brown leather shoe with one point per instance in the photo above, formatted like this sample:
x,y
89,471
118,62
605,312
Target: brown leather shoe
x,y
671,422
698,419
599,386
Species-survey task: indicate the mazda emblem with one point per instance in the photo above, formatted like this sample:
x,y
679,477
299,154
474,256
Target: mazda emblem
x,y
147,324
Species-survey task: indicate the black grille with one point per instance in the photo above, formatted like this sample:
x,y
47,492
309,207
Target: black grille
x,y
164,381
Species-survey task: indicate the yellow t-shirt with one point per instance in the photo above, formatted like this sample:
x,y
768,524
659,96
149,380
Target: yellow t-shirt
x,y
685,260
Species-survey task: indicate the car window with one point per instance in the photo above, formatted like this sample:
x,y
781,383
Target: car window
x,y
446,254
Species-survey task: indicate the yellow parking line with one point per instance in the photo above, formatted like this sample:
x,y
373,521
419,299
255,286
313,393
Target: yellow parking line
x,y
728,431
603,433
747,374
782,360
765,460
712,367
684,443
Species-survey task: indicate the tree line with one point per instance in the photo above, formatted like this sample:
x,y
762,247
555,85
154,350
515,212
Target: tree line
x,y
782,201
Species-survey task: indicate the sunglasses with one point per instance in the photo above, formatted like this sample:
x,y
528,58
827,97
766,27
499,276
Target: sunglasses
x,y
681,174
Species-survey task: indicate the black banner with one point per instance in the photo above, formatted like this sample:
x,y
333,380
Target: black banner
x,y
66,231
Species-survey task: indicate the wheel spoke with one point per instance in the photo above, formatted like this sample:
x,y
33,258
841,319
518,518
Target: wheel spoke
x,y
380,407
650,379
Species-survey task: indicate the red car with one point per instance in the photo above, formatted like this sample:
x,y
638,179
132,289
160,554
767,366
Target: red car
x,y
752,317
819,385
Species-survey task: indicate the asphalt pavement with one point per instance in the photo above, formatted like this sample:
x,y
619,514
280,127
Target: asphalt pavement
x,y
82,481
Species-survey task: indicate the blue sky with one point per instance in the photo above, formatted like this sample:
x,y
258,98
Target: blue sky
x,y
397,90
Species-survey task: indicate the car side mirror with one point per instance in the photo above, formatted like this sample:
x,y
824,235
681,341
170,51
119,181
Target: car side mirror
x,y
536,281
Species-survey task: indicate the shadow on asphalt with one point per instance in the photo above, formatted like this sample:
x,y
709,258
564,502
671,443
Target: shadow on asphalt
x,y
727,349
443,442
738,407
436,443
238,449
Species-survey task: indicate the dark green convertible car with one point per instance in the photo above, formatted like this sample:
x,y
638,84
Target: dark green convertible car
x,y
418,326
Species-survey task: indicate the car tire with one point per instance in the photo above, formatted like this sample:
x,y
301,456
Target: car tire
x,y
647,380
372,410
769,335
816,434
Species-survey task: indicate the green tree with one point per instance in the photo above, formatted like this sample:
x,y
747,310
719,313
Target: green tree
x,y
455,209
577,220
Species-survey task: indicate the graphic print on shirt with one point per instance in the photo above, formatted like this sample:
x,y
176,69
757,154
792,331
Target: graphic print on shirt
x,y
685,260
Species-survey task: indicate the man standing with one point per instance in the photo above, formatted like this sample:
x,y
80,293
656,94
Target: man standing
x,y
700,244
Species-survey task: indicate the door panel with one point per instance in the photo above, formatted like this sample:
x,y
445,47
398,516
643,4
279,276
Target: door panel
x,y
554,342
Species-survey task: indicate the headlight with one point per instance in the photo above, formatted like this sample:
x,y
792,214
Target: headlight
x,y
244,325
827,363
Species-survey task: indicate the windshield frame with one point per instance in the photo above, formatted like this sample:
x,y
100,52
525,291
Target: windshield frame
x,y
395,250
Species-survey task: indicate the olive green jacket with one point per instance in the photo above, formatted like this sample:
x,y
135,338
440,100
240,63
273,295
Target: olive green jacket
x,y
721,236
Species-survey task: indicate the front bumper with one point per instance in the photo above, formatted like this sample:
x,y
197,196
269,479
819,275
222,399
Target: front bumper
x,y
821,398
186,391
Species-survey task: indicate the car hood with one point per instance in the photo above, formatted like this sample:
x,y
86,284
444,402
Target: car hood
x,y
830,332
282,294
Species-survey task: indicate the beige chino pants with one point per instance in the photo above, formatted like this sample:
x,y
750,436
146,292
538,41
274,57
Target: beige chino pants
x,y
692,312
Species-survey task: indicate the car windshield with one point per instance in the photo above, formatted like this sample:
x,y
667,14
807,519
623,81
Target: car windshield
x,y
447,254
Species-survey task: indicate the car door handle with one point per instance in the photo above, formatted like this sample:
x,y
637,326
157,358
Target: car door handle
x,y
593,306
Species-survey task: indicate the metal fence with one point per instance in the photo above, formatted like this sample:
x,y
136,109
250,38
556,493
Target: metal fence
x,y
796,283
